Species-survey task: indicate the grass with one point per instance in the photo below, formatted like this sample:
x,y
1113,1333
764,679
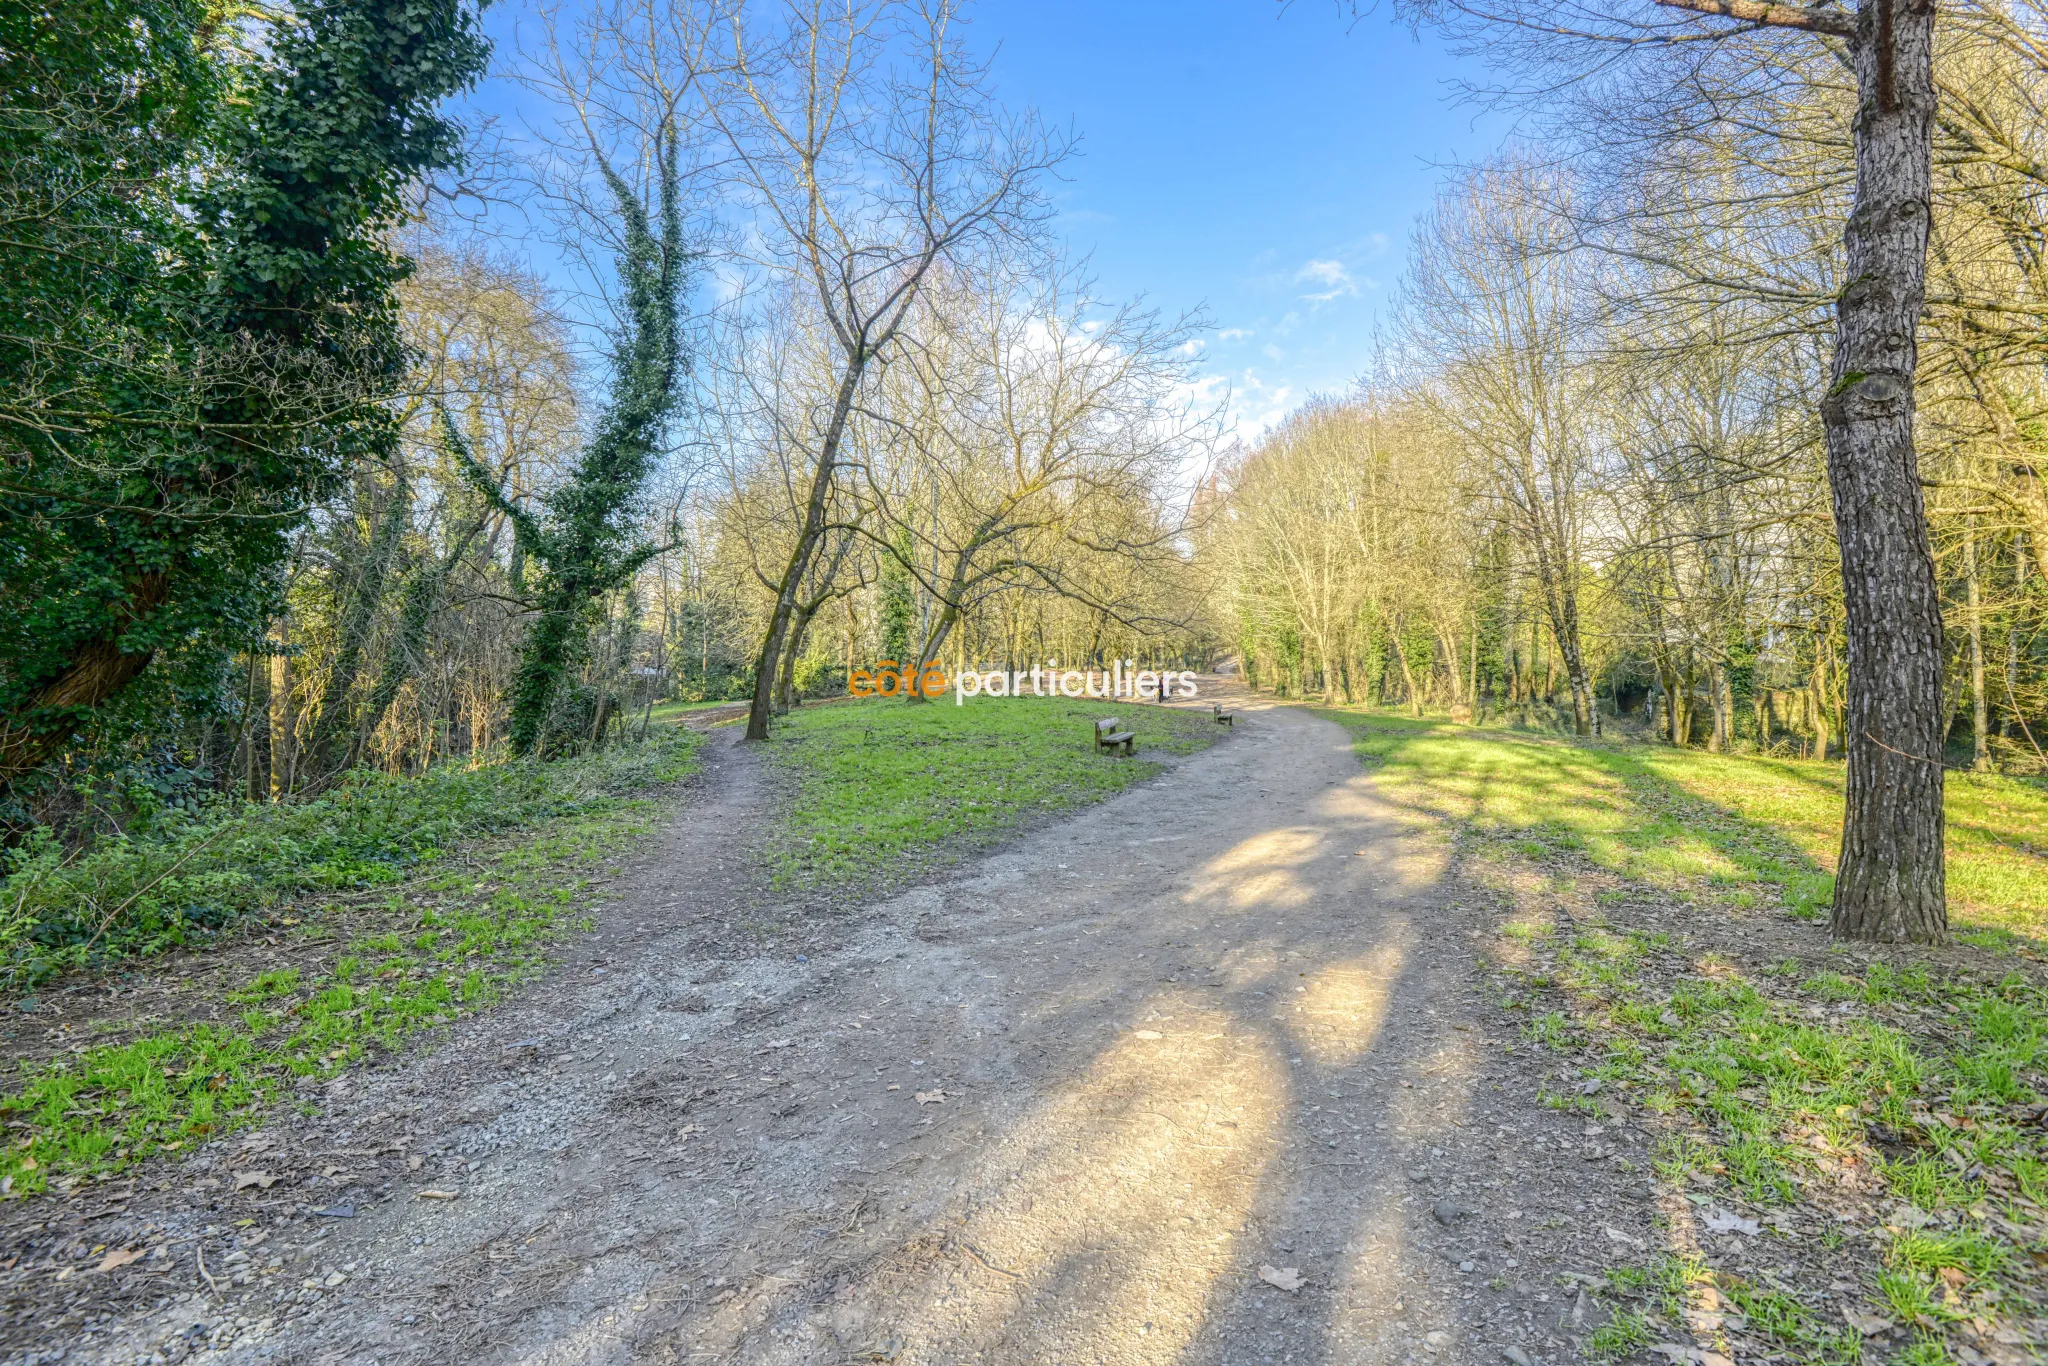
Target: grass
x,y
1724,827
881,780
875,782
1671,1285
438,941
1906,1088
193,876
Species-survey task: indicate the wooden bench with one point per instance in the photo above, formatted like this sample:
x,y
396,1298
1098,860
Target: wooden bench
x,y
1108,737
1223,718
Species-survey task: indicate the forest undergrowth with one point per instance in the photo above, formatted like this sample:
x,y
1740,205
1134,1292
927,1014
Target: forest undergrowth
x,y
168,987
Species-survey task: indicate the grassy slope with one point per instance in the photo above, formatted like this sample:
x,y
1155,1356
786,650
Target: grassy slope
x,y
436,937
1917,1084
882,779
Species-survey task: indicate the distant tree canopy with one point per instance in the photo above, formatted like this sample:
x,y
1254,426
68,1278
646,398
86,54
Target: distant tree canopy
x,y
198,327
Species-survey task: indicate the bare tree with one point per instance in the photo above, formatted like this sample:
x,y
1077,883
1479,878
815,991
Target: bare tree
x,y
1032,438
1493,299
870,153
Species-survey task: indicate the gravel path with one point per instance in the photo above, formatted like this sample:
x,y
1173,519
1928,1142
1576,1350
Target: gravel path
x,y
1203,1074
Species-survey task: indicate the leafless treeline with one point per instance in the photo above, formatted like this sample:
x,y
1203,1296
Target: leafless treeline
x,y
1589,469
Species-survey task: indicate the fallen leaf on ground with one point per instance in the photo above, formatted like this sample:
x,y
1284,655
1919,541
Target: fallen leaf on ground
x,y
437,1195
415,1162
1863,1321
1150,1034
1721,1221
931,1097
1615,1235
779,1043
244,1180
1283,1277
119,1257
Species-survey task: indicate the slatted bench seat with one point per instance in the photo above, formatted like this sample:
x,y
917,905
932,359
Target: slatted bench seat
x,y
1110,736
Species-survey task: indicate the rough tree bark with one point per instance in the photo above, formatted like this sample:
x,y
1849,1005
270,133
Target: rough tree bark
x,y
1889,885
1889,882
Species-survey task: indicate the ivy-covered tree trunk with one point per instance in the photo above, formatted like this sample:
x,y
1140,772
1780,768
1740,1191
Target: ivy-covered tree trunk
x,y
365,595
554,646
588,542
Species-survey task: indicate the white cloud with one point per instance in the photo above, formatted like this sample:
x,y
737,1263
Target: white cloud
x,y
1231,334
1335,279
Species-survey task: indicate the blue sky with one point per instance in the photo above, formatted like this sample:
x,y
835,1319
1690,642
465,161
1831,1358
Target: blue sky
x,y
1267,164
1261,163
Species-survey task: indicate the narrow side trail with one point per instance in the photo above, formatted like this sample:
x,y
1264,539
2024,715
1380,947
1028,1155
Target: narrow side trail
x,y
1201,1075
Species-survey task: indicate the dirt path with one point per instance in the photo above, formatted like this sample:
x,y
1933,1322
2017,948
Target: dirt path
x,y
1080,1103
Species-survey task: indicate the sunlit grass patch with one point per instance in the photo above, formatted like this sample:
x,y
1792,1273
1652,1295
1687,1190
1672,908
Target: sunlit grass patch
x,y
1997,827
1920,1082
1743,830
878,780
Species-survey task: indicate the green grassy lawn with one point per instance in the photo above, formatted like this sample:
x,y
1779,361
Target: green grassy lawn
x,y
390,934
1888,1101
1722,826
881,779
